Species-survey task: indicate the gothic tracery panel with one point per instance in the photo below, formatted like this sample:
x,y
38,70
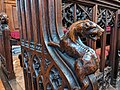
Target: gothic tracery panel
x,y
72,12
106,17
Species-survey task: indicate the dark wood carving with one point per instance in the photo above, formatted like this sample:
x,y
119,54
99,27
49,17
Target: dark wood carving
x,y
5,47
60,67
72,45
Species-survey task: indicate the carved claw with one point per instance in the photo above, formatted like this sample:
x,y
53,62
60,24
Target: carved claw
x,y
83,70
80,70
85,84
53,44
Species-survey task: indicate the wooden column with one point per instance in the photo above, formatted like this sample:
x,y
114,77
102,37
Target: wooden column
x,y
93,44
113,47
117,51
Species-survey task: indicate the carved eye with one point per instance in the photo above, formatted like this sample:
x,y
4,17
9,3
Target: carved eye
x,y
93,35
86,25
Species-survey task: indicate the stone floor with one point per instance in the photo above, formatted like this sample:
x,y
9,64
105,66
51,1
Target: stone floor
x,y
1,85
18,83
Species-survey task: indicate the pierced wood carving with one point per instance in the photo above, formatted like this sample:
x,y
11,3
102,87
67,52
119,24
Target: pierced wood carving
x,y
73,46
106,17
73,12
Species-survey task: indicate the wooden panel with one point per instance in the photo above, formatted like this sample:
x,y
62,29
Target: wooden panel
x,y
15,18
10,9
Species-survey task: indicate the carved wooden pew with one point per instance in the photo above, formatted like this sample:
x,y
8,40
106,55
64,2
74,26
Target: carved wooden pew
x,y
46,66
5,47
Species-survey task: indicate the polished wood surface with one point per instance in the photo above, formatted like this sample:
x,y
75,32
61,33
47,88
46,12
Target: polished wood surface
x,y
41,21
5,47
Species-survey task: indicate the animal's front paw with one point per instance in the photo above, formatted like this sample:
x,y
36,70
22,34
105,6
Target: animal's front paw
x,y
79,69
53,44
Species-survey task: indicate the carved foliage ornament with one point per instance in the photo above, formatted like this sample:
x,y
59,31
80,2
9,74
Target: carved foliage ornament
x,y
86,60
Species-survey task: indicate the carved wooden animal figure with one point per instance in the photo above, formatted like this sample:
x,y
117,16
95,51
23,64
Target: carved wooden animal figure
x,y
3,18
3,21
86,60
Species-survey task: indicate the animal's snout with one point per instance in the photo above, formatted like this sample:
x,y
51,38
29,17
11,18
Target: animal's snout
x,y
100,31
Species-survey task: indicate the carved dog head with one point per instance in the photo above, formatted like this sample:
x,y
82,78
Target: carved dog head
x,y
85,28
3,18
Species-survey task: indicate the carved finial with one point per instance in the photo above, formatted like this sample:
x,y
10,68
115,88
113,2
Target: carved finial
x,y
3,18
3,21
